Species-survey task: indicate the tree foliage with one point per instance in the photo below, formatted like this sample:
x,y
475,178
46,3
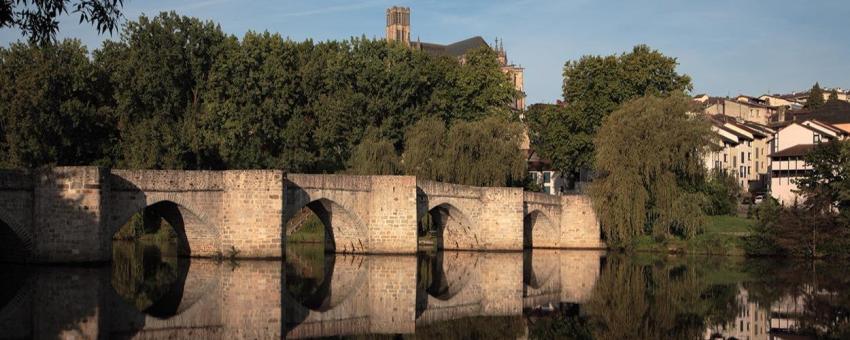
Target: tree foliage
x,y
649,162
375,155
53,109
819,224
176,92
483,152
815,99
722,191
38,19
593,87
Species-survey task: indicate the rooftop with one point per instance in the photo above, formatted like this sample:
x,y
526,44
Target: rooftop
x,y
794,151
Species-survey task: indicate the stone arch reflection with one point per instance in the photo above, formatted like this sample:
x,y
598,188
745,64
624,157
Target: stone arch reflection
x,y
445,279
320,289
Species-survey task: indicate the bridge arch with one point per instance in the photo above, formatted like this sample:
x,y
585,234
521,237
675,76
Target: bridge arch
x,y
15,241
539,230
195,236
454,228
345,232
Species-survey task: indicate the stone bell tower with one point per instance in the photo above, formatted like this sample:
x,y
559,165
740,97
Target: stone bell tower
x,y
398,24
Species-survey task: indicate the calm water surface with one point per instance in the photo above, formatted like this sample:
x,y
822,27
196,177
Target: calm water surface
x,y
146,293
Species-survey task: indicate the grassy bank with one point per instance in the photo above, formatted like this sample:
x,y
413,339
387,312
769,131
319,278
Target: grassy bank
x,y
723,235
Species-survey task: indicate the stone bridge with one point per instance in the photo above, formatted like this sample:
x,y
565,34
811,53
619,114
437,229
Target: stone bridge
x,y
70,214
360,294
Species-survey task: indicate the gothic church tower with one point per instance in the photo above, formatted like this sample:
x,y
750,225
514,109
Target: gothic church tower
x,y
398,24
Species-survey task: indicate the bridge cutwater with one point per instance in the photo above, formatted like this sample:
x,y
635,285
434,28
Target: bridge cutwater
x,y
70,214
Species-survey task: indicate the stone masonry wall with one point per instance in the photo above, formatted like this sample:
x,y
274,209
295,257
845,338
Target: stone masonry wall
x,y
501,217
252,214
579,225
68,210
392,221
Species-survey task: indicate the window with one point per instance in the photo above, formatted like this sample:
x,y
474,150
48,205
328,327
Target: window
x,y
748,171
749,143
547,189
742,157
817,138
749,156
757,166
547,176
734,161
724,158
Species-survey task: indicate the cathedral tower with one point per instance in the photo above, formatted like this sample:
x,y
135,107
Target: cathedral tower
x,y
398,24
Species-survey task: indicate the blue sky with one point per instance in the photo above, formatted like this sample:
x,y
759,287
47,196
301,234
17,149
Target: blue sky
x,y
727,47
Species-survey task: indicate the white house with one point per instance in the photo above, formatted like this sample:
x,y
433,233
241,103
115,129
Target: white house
x,y
789,148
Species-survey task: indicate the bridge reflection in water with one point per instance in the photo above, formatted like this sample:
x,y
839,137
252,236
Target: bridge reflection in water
x,y
310,295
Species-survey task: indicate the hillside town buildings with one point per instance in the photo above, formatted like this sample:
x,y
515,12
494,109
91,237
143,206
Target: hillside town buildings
x,y
763,141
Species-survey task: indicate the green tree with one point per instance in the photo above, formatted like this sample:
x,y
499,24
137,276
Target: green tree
x,y
375,155
722,192
815,99
649,162
37,19
424,149
54,106
593,87
827,187
484,153
561,134
158,70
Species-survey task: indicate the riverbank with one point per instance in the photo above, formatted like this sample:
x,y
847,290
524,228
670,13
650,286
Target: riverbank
x,y
723,235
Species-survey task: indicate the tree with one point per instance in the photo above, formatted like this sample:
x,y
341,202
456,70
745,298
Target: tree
x,y
375,155
815,99
722,191
827,187
563,135
37,19
159,69
424,149
649,163
484,153
593,87
54,107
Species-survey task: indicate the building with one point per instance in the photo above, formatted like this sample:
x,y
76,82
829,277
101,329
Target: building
x,y
742,107
547,178
789,148
398,30
741,151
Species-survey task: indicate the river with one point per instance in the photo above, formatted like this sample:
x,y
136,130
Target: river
x,y
147,293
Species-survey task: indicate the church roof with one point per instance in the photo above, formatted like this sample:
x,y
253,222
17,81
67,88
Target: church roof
x,y
456,49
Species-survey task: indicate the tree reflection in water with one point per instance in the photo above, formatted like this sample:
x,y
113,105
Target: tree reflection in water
x,y
640,297
149,276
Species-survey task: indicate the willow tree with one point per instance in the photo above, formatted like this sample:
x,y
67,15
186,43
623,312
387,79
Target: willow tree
x,y
649,162
484,152
375,155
